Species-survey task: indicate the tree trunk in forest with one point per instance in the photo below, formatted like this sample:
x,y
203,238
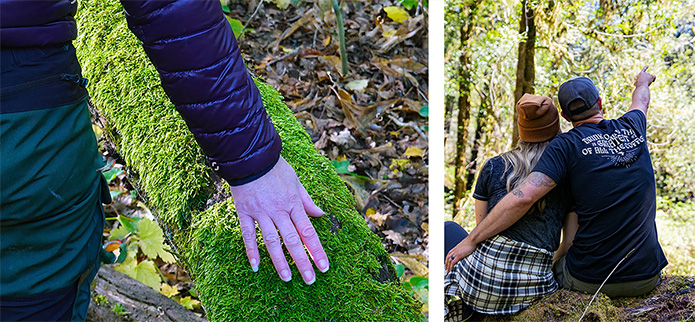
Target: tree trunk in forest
x,y
464,107
195,209
475,146
525,67
140,301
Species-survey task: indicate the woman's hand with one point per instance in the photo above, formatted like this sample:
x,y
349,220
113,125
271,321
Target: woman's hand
x,y
277,201
461,251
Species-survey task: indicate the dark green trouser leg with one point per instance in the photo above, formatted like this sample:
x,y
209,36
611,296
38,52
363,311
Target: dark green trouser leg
x,y
634,288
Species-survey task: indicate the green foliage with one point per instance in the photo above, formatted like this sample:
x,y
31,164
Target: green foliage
x,y
112,174
169,168
237,26
148,240
100,299
189,303
599,40
675,223
119,310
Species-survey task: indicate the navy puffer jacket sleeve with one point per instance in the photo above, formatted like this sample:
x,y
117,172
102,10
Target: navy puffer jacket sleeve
x,y
196,54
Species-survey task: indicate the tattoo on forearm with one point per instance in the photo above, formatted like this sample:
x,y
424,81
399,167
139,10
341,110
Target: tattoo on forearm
x,y
517,192
538,179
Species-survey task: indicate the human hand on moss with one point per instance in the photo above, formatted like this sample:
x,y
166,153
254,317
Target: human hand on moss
x,y
278,201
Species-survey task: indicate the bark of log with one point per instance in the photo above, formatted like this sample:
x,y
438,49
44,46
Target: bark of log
x,y
140,301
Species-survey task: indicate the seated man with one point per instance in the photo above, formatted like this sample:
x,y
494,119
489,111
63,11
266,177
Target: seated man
x,y
606,166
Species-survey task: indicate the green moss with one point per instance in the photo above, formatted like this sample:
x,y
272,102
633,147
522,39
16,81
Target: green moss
x,y
169,167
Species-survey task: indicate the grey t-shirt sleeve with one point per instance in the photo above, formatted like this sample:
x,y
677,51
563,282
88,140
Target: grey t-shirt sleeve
x,y
482,191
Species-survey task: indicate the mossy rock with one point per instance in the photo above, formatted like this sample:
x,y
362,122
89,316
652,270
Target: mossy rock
x,y
194,208
672,300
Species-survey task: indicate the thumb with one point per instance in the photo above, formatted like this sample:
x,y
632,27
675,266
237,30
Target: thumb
x,y
310,207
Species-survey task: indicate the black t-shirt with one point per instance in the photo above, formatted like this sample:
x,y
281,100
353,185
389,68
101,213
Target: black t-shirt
x,y
609,173
540,229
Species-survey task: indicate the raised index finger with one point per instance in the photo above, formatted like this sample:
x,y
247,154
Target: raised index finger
x,y
644,69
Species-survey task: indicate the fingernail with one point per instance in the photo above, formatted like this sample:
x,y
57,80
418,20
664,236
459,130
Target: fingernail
x,y
254,265
323,266
309,277
285,275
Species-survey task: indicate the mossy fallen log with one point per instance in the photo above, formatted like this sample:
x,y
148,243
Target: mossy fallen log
x,y
194,207
672,300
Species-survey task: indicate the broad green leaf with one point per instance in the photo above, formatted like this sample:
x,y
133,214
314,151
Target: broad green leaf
x,y
112,174
400,269
119,233
168,290
341,166
146,273
166,255
152,240
129,223
409,4
419,282
237,26
397,14
128,266
425,111
189,303
225,9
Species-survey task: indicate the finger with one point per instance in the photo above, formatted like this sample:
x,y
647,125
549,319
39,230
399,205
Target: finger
x,y
309,206
248,233
310,239
644,69
272,243
294,245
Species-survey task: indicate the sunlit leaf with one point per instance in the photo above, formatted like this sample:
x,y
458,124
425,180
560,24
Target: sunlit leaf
x,y
152,240
168,290
281,4
396,14
189,303
146,273
237,26
413,152
119,233
357,85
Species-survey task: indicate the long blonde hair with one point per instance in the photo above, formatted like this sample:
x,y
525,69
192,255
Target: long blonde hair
x,y
521,161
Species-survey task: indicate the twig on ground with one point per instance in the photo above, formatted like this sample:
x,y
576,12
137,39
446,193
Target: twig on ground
x,y
604,282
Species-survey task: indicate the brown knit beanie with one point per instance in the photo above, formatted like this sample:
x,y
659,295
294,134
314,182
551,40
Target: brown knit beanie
x,y
538,118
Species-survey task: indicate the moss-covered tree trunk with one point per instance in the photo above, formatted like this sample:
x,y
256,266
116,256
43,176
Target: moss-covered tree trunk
x,y
526,66
195,209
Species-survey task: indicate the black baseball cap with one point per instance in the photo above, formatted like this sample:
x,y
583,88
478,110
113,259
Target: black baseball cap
x,y
577,88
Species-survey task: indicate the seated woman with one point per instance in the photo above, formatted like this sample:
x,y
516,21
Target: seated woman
x,y
510,271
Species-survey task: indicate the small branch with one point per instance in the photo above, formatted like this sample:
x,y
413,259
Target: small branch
x,y
252,16
604,282
341,37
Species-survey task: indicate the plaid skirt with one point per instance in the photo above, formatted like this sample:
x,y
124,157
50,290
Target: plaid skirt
x,y
502,276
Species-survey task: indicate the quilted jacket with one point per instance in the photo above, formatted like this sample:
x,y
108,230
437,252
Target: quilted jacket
x,y
196,54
